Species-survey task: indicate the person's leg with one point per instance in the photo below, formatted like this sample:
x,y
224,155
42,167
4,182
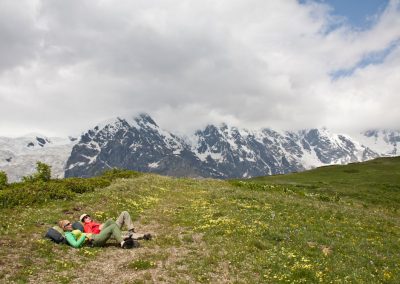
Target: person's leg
x,y
108,232
106,224
125,219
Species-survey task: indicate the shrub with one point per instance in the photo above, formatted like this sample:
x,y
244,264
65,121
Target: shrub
x,y
43,173
34,192
3,179
39,188
81,185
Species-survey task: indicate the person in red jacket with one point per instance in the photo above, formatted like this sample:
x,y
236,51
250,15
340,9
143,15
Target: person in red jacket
x,y
76,238
124,218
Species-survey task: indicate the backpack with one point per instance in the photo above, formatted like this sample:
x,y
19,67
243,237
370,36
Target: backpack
x,y
56,235
78,226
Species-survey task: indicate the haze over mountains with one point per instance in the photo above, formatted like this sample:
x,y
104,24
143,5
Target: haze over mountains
x,y
216,151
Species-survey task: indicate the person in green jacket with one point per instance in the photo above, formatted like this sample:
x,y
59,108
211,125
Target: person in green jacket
x,y
77,239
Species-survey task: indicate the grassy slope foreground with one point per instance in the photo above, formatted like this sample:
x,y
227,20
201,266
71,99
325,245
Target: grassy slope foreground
x,y
331,225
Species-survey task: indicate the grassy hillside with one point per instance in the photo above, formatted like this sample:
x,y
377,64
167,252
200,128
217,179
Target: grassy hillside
x,y
331,225
376,182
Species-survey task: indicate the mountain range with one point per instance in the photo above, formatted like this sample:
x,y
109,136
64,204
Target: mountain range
x,y
222,151
18,156
218,151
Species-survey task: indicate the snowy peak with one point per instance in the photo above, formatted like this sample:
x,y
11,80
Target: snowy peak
x,y
384,141
31,143
114,125
123,143
144,120
223,151
18,156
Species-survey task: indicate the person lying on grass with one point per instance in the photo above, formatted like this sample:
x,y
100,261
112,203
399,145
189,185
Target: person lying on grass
x,y
77,239
124,218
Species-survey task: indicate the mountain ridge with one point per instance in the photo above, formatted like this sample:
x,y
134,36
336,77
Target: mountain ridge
x,y
222,151
216,151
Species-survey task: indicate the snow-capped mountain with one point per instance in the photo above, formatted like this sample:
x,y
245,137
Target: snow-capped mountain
x,y
137,144
218,152
18,156
384,141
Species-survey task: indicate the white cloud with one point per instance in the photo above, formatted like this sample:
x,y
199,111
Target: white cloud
x,y
67,65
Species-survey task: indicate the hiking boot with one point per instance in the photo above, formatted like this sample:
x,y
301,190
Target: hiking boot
x,y
136,244
127,237
147,236
127,244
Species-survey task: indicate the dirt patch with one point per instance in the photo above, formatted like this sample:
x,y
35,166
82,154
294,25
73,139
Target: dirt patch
x,y
114,265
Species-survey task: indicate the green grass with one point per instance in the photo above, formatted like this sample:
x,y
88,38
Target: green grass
x,y
141,264
375,182
337,224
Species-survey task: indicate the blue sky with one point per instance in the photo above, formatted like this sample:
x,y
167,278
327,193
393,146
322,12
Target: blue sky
x,y
359,13
361,16
373,58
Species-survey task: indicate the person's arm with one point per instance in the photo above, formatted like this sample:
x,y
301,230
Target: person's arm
x,y
75,243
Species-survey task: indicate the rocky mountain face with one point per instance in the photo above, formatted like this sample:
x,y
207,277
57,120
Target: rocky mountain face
x,y
138,145
217,152
18,156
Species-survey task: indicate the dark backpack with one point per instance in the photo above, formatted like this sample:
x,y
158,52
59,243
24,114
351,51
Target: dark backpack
x,y
55,235
77,226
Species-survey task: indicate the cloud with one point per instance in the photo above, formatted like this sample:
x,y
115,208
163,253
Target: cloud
x,y
20,35
67,65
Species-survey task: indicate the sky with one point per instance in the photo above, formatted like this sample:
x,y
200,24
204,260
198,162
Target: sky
x,y
65,66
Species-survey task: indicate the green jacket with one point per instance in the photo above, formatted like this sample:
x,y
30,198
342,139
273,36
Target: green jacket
x,y
75,238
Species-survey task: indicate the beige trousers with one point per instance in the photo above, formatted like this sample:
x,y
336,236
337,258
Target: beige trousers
x,y
125,219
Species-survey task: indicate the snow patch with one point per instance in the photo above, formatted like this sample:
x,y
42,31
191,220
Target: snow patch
x,y
217,157
310,159
153,165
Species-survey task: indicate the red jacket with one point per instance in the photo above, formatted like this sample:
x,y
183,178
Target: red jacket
x,y
92,227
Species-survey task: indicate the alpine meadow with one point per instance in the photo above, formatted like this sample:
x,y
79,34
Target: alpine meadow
x,y
335,224
199,141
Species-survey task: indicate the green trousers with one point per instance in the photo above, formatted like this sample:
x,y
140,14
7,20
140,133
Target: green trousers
x,y
110,229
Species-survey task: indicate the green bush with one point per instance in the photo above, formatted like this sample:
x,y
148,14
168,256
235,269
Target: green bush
x,y
3,179
25,194
43,173
39,188
82,185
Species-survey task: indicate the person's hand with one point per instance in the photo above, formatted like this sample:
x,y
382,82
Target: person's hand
x,y
89,236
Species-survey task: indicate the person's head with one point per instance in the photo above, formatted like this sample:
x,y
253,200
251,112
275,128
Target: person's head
x,y
65,225
85,218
